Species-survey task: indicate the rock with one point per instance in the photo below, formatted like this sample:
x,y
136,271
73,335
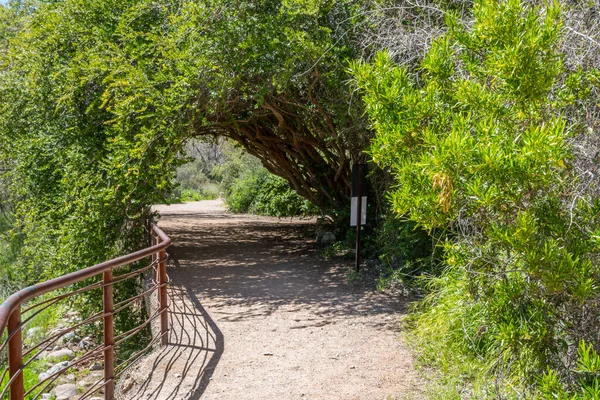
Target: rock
x,y
96,367
61,355
68,338
177,375
84,384
46,396
328,238
43,376
324,228
86,343
319,235
70,377
58,367
56,330
65,392
127,385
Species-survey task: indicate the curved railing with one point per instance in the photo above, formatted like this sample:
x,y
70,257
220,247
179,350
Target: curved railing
x,y
18,310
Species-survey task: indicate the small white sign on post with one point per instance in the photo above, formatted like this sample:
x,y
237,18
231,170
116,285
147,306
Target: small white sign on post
x,y
354,209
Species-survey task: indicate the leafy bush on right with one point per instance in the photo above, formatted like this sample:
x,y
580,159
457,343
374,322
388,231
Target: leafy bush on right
x,y
482,146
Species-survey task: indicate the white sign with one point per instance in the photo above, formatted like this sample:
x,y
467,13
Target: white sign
x,y
363,211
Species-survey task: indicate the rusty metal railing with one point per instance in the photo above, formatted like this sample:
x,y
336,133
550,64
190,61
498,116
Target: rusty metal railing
x,y
25,305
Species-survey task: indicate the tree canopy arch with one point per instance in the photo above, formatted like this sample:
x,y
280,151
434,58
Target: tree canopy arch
x,y
100,96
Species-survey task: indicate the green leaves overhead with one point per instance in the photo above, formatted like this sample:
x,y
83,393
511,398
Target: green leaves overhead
x,y
99,96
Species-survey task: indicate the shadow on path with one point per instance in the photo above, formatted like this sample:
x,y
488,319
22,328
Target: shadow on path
x,y
294,327
182,369
256,267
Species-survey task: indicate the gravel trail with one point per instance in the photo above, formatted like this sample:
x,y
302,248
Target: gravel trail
x,y
257,315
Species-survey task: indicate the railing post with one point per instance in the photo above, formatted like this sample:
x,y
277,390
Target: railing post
x,y
153,241
162,296
15,355
109,336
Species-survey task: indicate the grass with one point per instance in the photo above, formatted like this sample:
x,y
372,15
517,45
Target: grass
x,y
448,329
43,322
31,376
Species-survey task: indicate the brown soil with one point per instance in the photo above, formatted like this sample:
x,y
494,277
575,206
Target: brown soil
x,y
256,314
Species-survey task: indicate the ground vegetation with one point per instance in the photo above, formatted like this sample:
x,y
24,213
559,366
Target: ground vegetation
x,y
248,187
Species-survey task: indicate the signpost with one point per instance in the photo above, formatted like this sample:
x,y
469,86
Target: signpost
x,y
358,209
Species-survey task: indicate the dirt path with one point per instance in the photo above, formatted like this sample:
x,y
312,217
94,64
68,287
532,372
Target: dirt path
x,y
257,315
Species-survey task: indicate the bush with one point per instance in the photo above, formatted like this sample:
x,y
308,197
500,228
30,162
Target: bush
x,y
406,251
244,190
194,180
250,188
10,245
587,386
481,150
191,175
209,191
276,198
11,242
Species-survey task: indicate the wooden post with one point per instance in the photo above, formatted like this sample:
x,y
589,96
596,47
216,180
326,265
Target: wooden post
x,y
162,296
109,336
15,355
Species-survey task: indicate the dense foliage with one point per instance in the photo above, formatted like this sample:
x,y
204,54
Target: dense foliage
x,y
250,188
222,169
486,129
192,184
481,150
100,96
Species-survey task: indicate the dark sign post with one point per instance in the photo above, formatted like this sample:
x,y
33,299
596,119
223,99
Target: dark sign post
x,y
358,212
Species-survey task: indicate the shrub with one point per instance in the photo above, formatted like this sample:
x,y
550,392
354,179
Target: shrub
x,y
194,180
480,150
250,188
587,386
244,190
11,242
406,251
191,175
276,198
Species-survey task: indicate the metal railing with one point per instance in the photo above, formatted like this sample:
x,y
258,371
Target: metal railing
x,y
21,308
